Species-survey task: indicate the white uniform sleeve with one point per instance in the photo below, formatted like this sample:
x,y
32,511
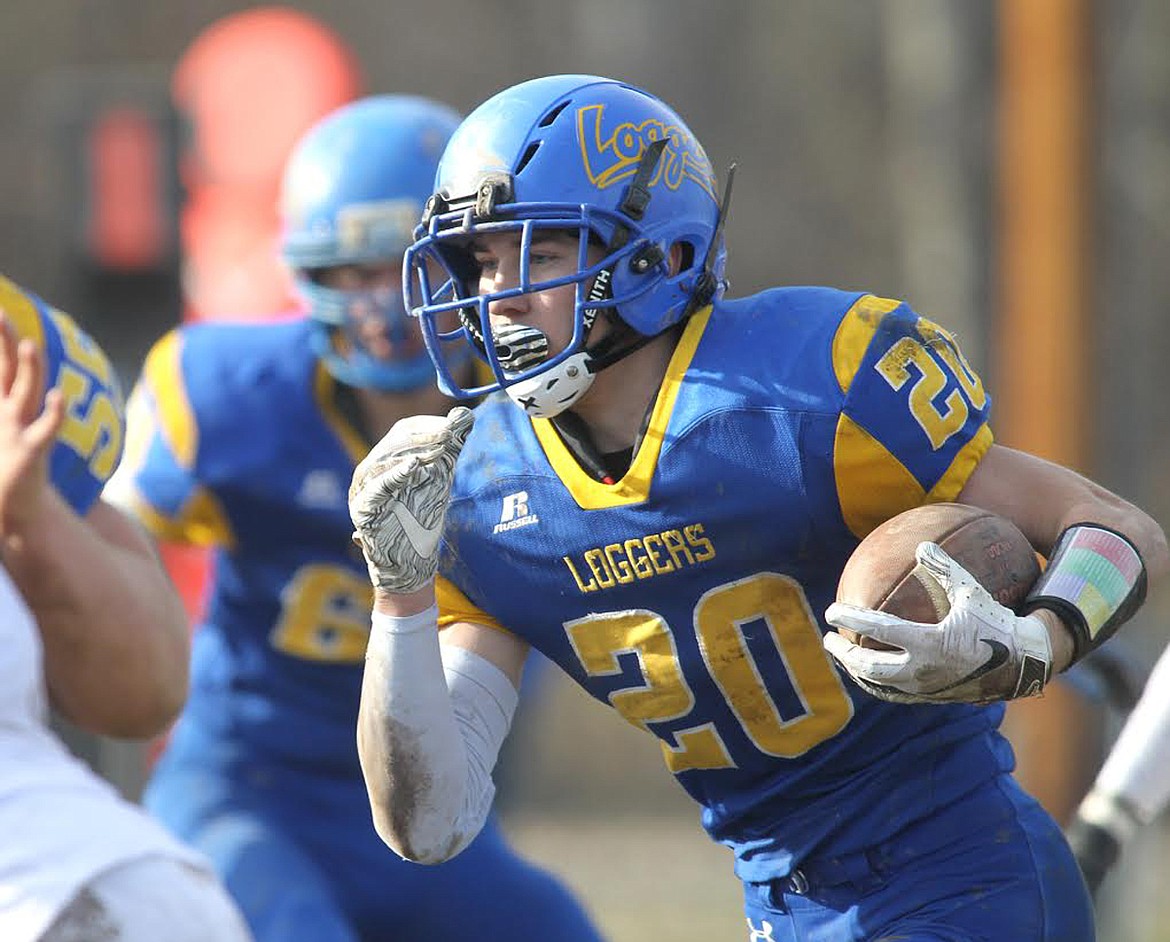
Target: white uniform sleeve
x,y
1138,768
433,719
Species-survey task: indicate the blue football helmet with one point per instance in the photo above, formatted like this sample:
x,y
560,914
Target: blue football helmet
x,y
352,193
582,154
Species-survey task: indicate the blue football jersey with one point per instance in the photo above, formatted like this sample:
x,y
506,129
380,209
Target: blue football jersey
x,y
235,443
89,442
690,594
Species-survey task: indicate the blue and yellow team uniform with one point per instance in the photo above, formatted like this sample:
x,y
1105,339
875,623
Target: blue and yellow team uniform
x,y
237,442
89,442
689,596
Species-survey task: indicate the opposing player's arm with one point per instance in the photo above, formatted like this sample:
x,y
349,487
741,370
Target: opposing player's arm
x,y
435,709
113,628
1133,786
1047,502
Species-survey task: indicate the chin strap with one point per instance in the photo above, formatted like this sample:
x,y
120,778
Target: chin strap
x,y
619,343
622,340
708,281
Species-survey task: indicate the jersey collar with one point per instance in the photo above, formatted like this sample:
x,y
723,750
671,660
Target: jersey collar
x,y
634,487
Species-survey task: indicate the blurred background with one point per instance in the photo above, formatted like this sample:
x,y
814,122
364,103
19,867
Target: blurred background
x,y
1004,166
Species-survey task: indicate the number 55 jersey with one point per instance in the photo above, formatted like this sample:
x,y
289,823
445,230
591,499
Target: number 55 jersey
x,y
89,442
689,595
62,825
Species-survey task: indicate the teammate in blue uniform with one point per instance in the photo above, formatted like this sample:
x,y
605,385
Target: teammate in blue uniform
x,y
244,437
661,500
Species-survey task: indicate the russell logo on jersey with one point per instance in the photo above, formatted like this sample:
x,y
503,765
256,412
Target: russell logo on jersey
x,y
515,513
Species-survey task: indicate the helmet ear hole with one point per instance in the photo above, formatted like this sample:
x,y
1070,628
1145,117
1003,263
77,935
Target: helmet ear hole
x,y
528,155
682,257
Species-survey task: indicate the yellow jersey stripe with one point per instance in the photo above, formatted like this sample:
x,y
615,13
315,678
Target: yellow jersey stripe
x,y
854,334
873,485
455,607
953,481
634,487
324,391
202,521
163,375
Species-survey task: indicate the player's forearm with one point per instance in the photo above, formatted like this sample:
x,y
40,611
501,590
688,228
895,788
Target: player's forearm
x,y
426,759
114,630
1048,502
1045,499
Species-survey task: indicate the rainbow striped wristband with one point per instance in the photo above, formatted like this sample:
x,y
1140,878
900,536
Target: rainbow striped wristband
x,y
1095,581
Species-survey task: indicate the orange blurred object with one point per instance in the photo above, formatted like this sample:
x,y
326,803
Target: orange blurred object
x,y
189,568
249,86
125,227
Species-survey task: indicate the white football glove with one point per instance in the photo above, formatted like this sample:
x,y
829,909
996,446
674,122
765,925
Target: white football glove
x,y
980,652
398,498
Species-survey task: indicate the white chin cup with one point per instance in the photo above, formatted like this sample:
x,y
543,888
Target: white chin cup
x,y
554,390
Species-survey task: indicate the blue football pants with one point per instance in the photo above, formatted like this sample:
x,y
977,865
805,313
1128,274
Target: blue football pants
x,y
992,867
298,852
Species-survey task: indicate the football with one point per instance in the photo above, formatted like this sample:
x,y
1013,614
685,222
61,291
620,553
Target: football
x,y
883,574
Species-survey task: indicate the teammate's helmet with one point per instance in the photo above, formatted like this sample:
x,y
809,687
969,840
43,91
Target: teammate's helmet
x,y
580,153
353,190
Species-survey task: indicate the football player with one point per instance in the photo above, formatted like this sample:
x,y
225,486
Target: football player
x,y
90,625
661,499
1133,786
244,438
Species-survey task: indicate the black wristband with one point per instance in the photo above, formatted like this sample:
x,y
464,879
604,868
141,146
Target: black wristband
x,y
1095,581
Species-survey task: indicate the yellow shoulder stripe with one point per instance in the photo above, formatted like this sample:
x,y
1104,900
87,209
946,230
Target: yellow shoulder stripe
x,y
854,334
163,375
21,312
873,485
202,521
951,483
